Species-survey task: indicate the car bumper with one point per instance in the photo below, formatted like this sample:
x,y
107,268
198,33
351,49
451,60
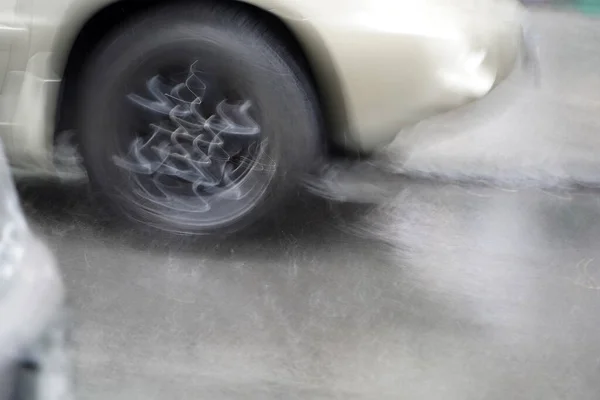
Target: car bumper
x,y
407,65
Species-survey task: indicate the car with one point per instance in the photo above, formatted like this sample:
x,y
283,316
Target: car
x,y
204,116
34,356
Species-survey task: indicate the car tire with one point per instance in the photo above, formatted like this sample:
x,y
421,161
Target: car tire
x,y
197,119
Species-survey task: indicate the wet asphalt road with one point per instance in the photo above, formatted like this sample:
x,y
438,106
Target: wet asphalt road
x,y
483,283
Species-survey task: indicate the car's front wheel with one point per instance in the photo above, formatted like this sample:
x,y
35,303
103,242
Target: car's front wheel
x,y
196,119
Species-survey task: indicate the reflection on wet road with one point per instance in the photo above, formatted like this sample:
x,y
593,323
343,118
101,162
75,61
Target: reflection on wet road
x,y
413,289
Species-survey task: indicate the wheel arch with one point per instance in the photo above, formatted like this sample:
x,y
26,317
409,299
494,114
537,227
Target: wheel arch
x,y
92,21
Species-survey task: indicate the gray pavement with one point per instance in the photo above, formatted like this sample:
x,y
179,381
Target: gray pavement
x,y
483,283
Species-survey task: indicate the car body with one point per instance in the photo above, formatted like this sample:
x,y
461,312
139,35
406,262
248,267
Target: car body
x,y
383,64
33,360
376,66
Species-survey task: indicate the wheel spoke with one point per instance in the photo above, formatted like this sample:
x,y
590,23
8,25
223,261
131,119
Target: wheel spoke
x,y
204,152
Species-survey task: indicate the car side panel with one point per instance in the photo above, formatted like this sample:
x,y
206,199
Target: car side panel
x,y
34,76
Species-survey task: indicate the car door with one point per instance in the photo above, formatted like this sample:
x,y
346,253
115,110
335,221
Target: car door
x,y
13,29
14,36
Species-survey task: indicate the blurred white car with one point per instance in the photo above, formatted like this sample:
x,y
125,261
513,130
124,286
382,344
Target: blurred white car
x,y
34,363
202,116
